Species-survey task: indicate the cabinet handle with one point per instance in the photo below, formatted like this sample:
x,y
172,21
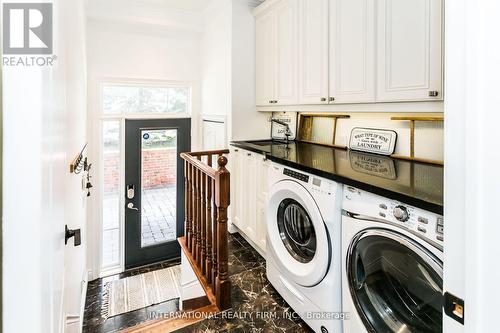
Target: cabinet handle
x,y
275,102
332,99
433,93
270,102
236,150
249,154
323,99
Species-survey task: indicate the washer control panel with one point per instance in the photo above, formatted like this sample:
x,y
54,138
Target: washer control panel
x,y
296,175
425,224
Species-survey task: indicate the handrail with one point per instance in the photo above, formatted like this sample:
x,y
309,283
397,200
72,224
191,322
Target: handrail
x,y
208,152
208,170
206,236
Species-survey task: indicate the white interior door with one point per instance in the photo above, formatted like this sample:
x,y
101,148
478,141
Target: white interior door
x,y
409,50
313,52
286,52
352,50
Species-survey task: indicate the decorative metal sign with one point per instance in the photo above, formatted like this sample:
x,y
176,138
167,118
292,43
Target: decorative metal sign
x,y
375,141
379,166
278,131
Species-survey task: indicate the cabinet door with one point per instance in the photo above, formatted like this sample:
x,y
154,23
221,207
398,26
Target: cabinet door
x,y
249,200
265,57
352,51
409,50
286,52
313,52
235,165
262,199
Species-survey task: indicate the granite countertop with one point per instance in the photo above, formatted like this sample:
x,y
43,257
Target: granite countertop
x,y
414,183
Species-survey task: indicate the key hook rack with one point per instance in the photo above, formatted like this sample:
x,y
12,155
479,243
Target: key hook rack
x,y
79,163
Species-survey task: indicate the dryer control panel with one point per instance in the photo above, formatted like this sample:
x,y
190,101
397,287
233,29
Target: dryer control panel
x,y
420,222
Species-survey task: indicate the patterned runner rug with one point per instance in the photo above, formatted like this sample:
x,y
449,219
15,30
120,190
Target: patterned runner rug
x,y
140,291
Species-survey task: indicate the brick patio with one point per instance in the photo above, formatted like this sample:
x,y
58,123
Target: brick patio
x,y
157,225
158,215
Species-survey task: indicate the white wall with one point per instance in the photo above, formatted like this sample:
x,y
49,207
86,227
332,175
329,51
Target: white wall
x,y
126,51
216,58
44,127
75,205
245,123
228,68
472,180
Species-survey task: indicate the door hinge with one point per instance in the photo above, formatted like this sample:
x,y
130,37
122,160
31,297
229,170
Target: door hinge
x,y
454,307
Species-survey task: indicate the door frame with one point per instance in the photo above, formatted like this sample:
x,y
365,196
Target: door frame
x,y
132,257
96,119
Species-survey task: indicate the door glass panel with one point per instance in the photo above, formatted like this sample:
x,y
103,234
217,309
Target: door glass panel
x,y
394,288
158,181
296,230
111,194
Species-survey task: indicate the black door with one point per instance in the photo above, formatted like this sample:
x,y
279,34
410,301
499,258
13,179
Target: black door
x,y
395,283
154,189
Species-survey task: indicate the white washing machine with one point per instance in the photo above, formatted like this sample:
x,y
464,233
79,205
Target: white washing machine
x,y
303,245
392,274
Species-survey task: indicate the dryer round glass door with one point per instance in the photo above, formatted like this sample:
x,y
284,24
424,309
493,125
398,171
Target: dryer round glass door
x,y
396,284
297,235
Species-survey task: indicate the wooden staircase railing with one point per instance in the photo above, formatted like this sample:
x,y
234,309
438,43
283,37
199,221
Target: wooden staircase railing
x,y
205,234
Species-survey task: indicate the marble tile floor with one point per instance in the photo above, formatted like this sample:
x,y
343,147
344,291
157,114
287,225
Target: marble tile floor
x,y
251,294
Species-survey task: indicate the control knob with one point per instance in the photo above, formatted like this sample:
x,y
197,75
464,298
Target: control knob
x,y
401,213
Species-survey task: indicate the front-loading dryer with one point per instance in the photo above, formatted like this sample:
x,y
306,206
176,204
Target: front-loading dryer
x,y
392,274
303,245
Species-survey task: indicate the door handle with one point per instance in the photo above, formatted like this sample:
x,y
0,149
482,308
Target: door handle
x,y
68,233
130,205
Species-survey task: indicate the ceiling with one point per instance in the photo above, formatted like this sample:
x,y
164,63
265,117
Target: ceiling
x,y
190,5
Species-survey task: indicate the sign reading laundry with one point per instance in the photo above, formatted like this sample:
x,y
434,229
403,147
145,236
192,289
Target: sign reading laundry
x,y
373,140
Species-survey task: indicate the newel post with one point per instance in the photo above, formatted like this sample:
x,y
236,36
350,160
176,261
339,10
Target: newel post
x,y
222,283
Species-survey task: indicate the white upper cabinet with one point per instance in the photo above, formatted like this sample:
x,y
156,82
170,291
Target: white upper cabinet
x,y
265,58
409,46
276,54
313,52
352,51
349,51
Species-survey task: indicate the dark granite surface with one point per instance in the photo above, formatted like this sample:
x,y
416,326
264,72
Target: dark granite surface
x,y
251,292
413,183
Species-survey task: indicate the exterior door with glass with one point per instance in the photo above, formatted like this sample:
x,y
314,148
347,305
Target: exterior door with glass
x,y
154,188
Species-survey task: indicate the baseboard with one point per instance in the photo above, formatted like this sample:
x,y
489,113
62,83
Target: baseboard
x,y
231,228
251,242
85,283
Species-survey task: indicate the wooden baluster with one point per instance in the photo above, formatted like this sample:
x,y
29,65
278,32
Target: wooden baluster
x,y
198,214
222,284
203,219
208,233
187,208
214,236
195,217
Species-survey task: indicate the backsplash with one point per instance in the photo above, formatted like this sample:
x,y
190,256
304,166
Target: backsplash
x,y
429,136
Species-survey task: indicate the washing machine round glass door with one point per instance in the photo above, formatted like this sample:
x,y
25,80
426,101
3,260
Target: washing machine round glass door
x,y
396,284
297,233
